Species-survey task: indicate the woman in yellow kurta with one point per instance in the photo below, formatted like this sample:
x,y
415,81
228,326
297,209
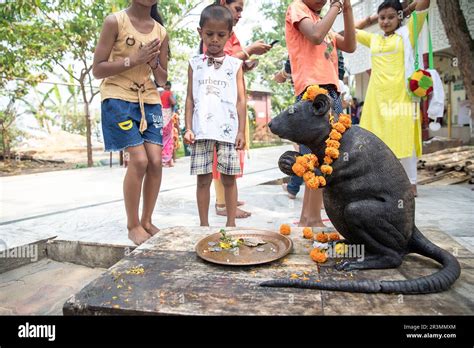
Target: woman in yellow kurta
x,y
389,111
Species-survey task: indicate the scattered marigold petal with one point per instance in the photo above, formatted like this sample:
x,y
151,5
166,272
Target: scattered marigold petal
x,y
308,233
318,256
334,236
285,229
322,237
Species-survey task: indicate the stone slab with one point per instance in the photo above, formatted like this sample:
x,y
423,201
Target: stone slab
x,y
175,281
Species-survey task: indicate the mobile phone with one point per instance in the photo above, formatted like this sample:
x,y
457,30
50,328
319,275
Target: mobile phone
x,y
274,42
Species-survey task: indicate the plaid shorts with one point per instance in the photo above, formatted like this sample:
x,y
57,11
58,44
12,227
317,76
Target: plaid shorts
x,y
202,156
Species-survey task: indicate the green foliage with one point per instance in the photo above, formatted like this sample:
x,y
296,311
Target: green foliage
x,y
38,37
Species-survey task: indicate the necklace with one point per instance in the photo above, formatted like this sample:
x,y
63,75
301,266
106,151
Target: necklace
x,y
306,164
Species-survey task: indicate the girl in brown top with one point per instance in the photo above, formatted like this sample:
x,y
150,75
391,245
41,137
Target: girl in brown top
x,y
132,46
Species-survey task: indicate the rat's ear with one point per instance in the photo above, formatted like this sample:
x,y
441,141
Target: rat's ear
x,y
321,104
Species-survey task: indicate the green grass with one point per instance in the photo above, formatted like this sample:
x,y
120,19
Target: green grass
x,y
261,145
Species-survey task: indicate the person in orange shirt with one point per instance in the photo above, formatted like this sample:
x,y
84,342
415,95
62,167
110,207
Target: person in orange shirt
x,y
312,49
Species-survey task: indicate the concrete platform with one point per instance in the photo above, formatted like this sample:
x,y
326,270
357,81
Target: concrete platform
x,y
176,281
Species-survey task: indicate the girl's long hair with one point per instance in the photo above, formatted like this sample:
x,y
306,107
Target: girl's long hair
x,y
155,14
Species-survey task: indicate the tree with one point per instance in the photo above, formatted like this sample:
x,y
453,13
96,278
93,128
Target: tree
x,y
460,40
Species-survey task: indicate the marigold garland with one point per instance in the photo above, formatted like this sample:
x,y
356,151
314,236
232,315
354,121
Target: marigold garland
x,y
312,92
305,165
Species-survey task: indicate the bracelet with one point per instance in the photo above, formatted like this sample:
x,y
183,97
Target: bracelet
x,y
285,74
334,2
156,66
246,53
188,130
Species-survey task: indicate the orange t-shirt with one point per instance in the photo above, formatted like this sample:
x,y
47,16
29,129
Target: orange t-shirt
x,y
310,64
232,46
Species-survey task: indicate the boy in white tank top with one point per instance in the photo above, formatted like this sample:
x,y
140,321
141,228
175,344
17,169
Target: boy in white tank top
x,y
215,111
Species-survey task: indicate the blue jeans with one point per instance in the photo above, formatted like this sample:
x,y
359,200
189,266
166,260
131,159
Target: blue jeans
x,y
295,181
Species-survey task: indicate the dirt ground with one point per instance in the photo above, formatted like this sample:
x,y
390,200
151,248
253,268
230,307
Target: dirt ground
x,y
73,159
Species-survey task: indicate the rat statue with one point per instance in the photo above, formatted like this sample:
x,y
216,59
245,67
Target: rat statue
x,y
369,200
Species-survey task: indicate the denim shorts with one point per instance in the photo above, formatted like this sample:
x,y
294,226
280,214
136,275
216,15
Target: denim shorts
x,y
121,122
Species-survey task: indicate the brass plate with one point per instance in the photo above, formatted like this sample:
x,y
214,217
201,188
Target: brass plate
x,y
280,244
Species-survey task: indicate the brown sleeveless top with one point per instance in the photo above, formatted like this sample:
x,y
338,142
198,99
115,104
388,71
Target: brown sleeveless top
x,y
135,84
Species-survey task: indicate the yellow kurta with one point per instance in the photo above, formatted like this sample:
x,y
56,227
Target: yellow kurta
x,y
388,110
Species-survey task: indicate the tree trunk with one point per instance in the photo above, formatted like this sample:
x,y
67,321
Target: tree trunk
x,y
4,143
88,125
460,40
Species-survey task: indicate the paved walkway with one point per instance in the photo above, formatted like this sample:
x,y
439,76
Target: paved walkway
x,y
87,204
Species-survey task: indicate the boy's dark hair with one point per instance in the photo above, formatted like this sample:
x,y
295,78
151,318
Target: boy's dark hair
x,y
217,12
168,83
395,4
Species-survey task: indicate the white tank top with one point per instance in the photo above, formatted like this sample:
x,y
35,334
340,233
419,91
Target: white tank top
x,y
215,99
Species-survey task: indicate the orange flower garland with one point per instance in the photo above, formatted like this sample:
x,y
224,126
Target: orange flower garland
x,y
304,166
313,91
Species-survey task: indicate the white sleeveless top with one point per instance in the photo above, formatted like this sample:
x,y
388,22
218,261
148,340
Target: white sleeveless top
x,y
215,99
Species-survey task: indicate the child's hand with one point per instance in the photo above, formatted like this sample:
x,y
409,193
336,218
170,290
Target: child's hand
x,y
147,53
240,141
189,137
346,5
259,47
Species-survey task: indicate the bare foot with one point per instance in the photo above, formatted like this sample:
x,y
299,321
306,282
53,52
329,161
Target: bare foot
x,y
317,223
239,214
150,228
242,214
138,235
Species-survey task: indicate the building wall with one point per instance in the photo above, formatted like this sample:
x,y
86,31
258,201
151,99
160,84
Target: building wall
x,y
262,103
359,62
